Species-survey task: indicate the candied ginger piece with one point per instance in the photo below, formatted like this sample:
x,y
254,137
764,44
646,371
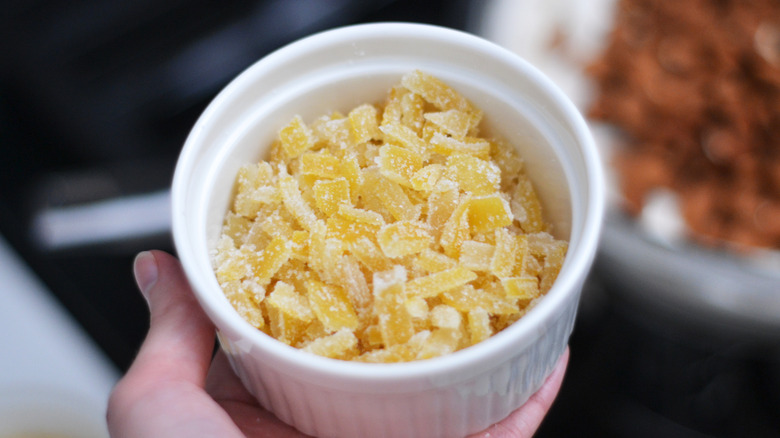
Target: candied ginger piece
x,y
349,168
340,345
476,256
486,213
440,205
523,288
270,259
453,122
401,135
412,111
526,208
276,225
403,238
552,265
248,309
433,261
425,179
479,326
438,93
296,138
364,123
321,164
236,227
348,231
467,298
444,316
446,145
456,229
354,214
417,307
351,278
441,341
399,164
473,175
370,255
395,323
294,203
433,284
331,194
331,305
405,352
288,313
393,111
505,256
391,196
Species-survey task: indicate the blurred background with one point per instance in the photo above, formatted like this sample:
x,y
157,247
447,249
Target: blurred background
x,y
96,99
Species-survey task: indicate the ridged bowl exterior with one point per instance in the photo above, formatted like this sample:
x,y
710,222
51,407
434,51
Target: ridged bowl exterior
x,y
337,70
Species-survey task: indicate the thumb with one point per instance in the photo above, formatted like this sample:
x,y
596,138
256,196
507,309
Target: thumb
x,y
180,341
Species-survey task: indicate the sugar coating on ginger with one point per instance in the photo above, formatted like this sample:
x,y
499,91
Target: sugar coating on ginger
x,y
390,234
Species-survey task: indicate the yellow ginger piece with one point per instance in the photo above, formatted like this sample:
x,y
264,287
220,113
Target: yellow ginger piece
x,y
439,94
370,255
467,298
265,263
390,196
296,138
441,341
476,256
486,213
331,305
479,326
404,136
399,164
413,111
320,164
360,215
340,345
446,146
294,203
364,123
395,323
440,206
289,313
399,352
473,175
456,230
444,316
404,238
526,207
432,285
329,195
523,288
453,122
432,261
553,262
425,179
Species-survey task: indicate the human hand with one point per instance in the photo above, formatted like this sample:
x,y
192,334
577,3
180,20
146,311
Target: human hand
x,y
175,389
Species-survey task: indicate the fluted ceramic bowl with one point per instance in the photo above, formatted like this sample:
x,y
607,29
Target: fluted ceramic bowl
x,y
450,396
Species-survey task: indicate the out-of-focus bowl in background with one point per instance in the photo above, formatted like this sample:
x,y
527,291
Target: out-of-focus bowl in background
x,y
337,70
647,259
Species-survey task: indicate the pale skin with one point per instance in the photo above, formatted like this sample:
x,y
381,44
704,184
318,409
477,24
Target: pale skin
x,y
177,388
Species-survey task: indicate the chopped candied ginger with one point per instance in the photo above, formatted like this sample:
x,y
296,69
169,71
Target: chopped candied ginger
x,y
399,164
329,195
288,312
396,232
340,345
395,322
364,123
296,138
331,305
404,238
432,285
486,213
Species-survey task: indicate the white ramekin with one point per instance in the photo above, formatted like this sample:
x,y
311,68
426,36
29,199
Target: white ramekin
x,y
338,70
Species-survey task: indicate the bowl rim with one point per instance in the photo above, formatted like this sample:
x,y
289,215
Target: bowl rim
x,y
483,355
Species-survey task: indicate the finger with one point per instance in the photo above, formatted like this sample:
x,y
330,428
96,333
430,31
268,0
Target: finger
x,y
223,384
526,420
181,337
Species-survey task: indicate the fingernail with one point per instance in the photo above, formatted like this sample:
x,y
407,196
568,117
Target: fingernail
x,y
145,270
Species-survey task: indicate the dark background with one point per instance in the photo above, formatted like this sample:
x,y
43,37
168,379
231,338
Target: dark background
x,y
96,99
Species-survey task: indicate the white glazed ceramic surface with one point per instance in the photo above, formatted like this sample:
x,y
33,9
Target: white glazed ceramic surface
x,y
337,70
